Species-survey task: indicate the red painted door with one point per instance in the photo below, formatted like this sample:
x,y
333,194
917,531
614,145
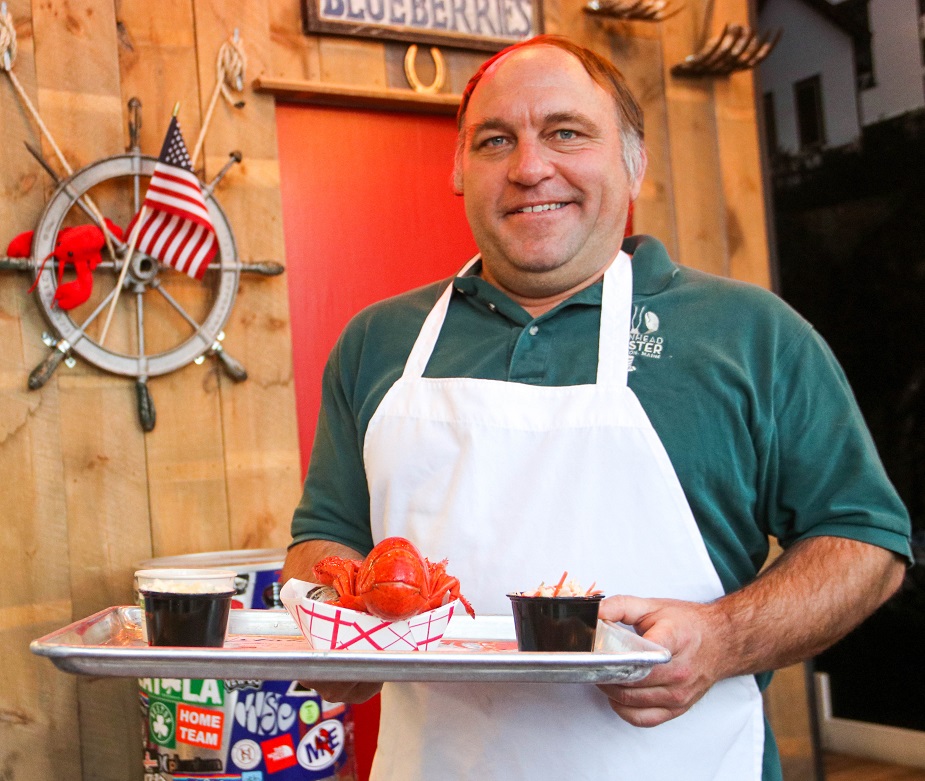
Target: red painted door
x,y
368,212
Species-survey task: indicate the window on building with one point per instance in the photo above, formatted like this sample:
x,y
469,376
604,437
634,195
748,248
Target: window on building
x,y
810,125
856,14
864,62
922,27
770,124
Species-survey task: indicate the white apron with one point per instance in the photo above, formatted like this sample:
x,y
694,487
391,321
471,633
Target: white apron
x,y
515,483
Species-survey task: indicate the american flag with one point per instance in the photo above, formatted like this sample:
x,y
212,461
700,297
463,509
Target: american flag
x,y
176,227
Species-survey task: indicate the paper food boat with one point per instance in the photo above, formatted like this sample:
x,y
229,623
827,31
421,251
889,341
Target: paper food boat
x,y
336,628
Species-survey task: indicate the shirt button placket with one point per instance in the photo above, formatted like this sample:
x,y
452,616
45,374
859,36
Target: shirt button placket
x,y
530,359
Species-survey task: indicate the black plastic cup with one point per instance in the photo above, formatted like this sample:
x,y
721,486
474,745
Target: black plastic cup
x,y
555,623
186,607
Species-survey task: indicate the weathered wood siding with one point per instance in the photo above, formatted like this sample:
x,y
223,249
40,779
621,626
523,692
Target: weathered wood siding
x,y
86,493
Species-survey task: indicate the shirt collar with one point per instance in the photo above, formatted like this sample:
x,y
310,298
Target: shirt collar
x,y
653,270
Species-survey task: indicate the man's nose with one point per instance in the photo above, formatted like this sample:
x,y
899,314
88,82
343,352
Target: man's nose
x,y
529,163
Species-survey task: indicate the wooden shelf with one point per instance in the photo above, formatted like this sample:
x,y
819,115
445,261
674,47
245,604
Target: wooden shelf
x,y
346,95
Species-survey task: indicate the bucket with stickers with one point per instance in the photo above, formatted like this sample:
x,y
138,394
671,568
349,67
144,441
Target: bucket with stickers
x,y
242,730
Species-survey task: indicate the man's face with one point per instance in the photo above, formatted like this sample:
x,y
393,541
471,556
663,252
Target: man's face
x,y
542,173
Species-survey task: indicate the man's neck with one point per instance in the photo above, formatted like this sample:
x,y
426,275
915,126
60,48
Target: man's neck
x,y
540,305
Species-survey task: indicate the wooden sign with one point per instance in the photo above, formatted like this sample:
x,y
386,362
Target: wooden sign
x,y
470,24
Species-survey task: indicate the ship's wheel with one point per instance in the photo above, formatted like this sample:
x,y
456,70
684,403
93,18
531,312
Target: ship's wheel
x,y
163,319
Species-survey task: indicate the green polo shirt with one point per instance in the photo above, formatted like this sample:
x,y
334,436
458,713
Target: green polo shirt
x,y
756,415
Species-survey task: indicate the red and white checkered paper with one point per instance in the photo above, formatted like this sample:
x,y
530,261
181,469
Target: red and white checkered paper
x,y
336,628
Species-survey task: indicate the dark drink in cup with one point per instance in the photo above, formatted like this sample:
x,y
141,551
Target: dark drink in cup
x,y
187,619
186,607
555,623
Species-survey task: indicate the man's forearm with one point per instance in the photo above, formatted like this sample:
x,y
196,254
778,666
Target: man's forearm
x,y
812,596
302,557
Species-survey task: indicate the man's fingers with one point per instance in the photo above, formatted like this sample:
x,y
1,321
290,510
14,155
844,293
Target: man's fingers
x,y
643,717
647,707
350,692
642,707
633,696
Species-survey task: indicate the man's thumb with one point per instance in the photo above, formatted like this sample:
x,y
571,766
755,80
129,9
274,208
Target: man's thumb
x,y
626,609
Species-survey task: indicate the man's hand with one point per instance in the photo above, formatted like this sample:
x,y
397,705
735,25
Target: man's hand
x,y
687,629
301,558
809,598
350,692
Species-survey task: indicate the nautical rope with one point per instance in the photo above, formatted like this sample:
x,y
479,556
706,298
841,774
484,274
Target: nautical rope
x,y
229,73
7,57
7,40
230,66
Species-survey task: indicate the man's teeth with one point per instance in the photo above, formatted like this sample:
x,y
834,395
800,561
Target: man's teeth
x,y
544,207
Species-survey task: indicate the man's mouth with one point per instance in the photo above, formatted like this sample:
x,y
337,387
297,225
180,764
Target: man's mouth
x,y
542,207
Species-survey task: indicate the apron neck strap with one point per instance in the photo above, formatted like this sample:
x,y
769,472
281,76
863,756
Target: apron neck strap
x,y
616,307
427,338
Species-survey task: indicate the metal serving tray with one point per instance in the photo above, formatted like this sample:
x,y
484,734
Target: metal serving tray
x,y
267,645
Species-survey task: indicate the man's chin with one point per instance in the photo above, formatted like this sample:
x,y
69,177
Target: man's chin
x,y
532,271
531,275
537,258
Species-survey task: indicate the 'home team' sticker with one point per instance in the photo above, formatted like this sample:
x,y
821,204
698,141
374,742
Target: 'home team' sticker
x,y
199,726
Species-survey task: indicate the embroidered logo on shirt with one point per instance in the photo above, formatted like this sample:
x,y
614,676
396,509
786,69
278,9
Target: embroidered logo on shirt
x,y
643,341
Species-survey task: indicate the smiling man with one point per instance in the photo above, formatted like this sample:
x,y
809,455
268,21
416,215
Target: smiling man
x,y
573,400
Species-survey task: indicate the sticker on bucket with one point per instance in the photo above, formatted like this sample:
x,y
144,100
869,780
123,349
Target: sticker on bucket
x,y
243,730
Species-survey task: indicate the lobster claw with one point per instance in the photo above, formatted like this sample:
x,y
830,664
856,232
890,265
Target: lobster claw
x,y
73,294
20,246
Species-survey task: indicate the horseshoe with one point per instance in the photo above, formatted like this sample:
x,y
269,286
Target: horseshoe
x,y
411,73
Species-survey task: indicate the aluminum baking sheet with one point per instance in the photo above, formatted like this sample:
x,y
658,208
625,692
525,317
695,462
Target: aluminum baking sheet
x,y
267,645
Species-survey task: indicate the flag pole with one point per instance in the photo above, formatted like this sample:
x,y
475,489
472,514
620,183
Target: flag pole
x,y
128,258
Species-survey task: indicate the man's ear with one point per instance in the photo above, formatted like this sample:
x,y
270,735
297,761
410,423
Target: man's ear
x,y
637,185
457,180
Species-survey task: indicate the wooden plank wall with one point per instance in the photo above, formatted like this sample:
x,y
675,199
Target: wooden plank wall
x,y
87,494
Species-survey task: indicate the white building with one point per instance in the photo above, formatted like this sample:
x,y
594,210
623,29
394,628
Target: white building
x,y
838,67
897,41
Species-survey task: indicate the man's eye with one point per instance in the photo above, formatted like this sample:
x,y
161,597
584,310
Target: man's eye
x,y
494,141
566,135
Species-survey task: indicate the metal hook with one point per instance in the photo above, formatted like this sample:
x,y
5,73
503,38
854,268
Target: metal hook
x,y
134,123
637,10
736,48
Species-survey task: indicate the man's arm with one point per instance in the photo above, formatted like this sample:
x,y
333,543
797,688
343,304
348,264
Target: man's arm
x,y
302,557
299,562
812,596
